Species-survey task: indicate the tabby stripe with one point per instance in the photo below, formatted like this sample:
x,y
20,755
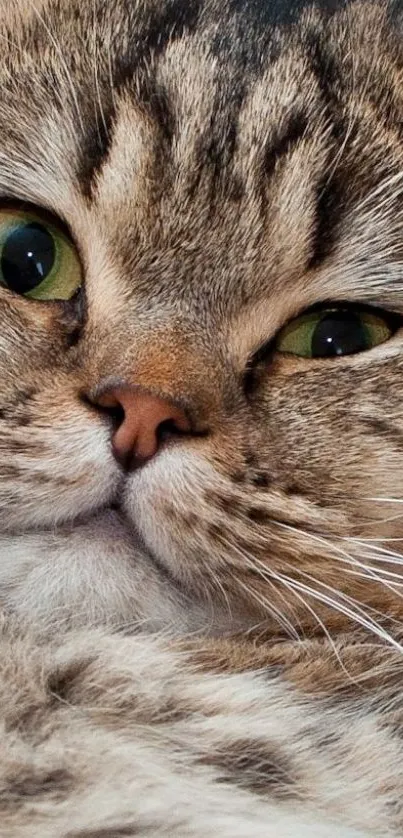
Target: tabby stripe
x,y
95,148
286,140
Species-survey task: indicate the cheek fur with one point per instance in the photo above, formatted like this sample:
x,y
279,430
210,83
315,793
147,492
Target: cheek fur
x,y
258,549
56,464
55,455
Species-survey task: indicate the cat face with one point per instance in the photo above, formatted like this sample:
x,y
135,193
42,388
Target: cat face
x,y
209,189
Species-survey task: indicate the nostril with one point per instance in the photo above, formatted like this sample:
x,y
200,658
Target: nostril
x,y
115,411
168,429
142,422
117,414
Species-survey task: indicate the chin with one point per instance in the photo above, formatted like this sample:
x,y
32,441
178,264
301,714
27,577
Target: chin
x,y
95,572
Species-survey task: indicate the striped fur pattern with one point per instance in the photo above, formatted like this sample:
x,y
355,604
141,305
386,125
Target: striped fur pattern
x,y
105,737
221,165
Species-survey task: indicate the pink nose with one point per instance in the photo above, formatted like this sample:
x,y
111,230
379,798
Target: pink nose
x,y
145,421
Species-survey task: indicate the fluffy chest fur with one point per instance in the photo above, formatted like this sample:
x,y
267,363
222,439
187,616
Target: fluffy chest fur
x,y
201,417
107,736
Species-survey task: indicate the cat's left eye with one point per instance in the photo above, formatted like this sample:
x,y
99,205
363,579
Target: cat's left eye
x,y
334,331
37,258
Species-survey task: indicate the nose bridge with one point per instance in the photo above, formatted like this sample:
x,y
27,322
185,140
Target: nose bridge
x,y
157,390
172,363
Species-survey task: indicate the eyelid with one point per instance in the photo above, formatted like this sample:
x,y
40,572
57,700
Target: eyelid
x,y
267,349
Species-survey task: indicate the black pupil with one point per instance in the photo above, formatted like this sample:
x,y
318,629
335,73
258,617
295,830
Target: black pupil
x,y
339,333
27,258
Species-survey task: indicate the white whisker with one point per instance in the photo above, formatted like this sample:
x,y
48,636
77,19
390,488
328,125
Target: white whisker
x,y
337,600
357,615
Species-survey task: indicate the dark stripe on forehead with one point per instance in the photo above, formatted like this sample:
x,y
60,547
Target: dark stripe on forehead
x,y
144,33
282,12
331,191
286,140
144,36
149,37
95,146
328,214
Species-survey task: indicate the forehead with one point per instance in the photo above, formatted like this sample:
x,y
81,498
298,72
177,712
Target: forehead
x,y
214,150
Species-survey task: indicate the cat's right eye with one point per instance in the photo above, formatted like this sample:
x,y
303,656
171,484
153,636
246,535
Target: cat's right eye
x,y
37,259
336,330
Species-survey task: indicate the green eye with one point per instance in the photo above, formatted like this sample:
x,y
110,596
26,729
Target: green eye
x,y
37,259
334,331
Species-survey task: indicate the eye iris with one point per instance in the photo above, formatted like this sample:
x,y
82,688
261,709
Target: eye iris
x,y
28,257
339,333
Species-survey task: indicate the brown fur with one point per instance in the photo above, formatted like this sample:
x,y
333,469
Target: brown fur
x,y
196,181
221,166
112,736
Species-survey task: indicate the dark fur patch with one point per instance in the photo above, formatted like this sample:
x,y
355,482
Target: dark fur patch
x,y
251,459
261,480
24,395
238,477
331,191
286,141
280,12
383,428
62,683
226,502
95,148
215,531
58,783
254,765
258,514
171,21
23,421
328,216
10,471
19,446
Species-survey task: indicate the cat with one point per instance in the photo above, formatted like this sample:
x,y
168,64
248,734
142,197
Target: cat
x,y
200,417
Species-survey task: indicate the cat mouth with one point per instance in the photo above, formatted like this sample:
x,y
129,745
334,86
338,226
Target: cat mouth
x,y
107,512
114,512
